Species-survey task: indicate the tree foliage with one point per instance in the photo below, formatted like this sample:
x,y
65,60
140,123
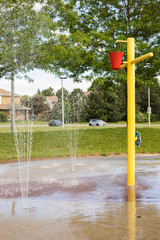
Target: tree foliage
x,y
18,35
3,117
142,100
23,29
46,92
25,100
105,101
57,111
88,30
76,101
73,104
39,104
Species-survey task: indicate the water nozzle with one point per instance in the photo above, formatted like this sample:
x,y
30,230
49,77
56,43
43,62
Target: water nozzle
x,y
138,139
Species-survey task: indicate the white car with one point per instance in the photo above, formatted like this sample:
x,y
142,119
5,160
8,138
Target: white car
x,y
97,122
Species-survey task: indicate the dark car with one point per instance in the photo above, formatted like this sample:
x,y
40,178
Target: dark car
x,y
55,123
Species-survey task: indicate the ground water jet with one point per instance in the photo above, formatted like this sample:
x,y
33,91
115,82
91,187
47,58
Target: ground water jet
x,y
73,117
23,143
73,133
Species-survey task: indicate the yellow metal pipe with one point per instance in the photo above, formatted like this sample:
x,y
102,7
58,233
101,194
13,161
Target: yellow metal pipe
x,y
136,60
136,139
131,194
131,213
130,64
123,65
131,111
121,41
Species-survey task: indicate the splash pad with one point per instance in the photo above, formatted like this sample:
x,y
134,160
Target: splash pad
x,y
98,179
66,204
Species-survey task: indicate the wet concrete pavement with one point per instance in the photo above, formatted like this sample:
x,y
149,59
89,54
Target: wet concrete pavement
x,y
90,203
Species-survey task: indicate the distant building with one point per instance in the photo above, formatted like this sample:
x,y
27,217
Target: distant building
x,y
87,93
52,100
21,112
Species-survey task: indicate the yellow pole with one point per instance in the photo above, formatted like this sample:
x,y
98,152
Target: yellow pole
x,y
124,65
131,213
130,64
131,111
139,59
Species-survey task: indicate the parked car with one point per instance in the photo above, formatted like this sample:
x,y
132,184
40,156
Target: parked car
x,y
97,122
55,123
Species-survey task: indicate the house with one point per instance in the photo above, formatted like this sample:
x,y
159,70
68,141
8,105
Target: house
x,y
21,112
87,93
52,100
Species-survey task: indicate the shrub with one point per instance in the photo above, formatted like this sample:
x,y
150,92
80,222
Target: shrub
x,y
141,117
154,117
3,117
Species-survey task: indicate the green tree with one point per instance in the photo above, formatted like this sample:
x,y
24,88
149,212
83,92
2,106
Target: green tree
x,y
65,94
25,101
142,100
48,92
73,105
104,101
57,111
17,42
39,104
92,27
76,105
3,117
39,91
22,30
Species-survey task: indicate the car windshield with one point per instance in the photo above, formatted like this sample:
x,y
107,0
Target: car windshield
x,y
57,121
100,120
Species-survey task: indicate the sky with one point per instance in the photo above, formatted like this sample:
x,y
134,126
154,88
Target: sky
x,y
42,80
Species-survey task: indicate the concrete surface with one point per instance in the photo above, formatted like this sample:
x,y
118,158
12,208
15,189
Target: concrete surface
x,y
90,203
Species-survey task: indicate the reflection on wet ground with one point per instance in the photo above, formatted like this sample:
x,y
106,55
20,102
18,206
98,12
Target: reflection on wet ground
x,y
90,203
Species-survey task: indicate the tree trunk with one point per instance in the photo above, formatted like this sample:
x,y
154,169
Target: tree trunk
x,y
12,104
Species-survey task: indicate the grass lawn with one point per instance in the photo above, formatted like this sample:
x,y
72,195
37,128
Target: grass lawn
x,y
50,142
35,122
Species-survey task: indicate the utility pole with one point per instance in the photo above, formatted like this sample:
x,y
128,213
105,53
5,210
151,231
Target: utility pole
x,y
62,100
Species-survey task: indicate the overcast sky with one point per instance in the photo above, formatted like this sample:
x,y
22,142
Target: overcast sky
x,y
42,81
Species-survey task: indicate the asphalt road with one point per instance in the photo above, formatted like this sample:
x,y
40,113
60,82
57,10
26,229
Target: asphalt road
x,y
85,125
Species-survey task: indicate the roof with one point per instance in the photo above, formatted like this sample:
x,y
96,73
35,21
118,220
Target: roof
x,y
87,93
7,93
8,106
52,98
